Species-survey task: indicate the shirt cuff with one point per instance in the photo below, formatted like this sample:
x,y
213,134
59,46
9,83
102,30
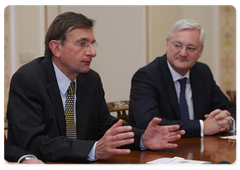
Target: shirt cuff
x,y
233,126
142,147
25,157
91,155
201,128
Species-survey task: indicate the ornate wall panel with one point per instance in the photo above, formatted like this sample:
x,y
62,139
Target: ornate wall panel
x,y
227,49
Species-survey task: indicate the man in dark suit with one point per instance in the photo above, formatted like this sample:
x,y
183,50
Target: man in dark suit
x,y
14,154
156,92
57,110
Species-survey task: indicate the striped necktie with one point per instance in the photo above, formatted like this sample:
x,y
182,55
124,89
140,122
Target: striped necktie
x,y
69,112
183,103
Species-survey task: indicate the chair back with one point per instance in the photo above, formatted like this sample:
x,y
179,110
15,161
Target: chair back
x,y
120,107
5,129
232,96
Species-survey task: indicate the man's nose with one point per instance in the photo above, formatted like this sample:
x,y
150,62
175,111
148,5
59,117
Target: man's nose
x,y
91,51
183,51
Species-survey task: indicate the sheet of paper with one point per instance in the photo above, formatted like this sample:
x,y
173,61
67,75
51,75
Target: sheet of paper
x,y
229,137
176,160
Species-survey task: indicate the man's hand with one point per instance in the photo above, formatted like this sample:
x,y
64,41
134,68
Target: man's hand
x,y
217,121
158,137
32,161
115,137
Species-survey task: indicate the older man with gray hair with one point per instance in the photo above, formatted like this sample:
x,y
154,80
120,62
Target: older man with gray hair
x,y
179,89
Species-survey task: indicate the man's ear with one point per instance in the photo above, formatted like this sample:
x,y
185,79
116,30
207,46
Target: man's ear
x,y
201,51
54,46
167,44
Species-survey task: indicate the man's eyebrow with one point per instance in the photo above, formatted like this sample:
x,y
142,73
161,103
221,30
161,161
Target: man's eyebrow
x,y
177,42
187,45
82,39
85,39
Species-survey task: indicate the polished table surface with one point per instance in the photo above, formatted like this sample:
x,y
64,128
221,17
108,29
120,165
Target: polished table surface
x,y
209,148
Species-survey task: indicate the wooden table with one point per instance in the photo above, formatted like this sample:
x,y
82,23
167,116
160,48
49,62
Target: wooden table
x,y
210,148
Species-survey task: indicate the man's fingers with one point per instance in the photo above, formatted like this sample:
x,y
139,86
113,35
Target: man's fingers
x,y
155,121
122,129
207,115
173,127
224,128
174,137
118,128
224,122
119,123
171,146
122,136
223,114
215,112
122,142
120,151
181,132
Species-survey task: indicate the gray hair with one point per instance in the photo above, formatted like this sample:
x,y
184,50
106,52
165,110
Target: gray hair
x,y
187,24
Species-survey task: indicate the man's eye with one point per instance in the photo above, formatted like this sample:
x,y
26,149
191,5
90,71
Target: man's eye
x,y
83,44
191,48
178,46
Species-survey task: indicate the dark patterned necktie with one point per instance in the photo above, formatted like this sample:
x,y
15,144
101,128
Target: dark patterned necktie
x,y
69,112
183,103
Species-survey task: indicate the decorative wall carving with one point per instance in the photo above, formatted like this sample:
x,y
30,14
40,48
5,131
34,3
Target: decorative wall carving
x,y
227,49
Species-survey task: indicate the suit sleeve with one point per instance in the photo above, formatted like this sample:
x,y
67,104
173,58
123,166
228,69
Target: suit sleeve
x,y
13,153
220,101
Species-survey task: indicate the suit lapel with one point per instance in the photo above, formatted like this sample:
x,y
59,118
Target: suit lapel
x,y
169,86
197,94
54,94
83,105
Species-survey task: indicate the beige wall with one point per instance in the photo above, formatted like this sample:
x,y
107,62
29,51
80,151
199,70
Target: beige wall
x,y
29,33
160,20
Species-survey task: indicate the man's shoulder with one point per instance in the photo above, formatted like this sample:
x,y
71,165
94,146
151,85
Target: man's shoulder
x,y
153,64
35,69
201,70
91,76
201,67
32,65
153,68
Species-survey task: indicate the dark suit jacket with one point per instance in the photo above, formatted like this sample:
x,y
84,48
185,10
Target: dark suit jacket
x,y
36,116
153,94
13,153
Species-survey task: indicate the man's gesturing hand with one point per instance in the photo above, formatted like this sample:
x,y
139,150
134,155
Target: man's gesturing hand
x,y
158,137
115,137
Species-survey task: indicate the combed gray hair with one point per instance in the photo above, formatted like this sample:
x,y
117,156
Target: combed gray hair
x,y
187,24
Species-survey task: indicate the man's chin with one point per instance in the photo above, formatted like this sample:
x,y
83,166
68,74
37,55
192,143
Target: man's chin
x,y
85,70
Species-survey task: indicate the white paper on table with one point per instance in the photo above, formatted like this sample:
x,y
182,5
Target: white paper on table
x,y
176,160
229,137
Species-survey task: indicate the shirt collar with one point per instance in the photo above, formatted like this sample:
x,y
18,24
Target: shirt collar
x,y
175,75
62,80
